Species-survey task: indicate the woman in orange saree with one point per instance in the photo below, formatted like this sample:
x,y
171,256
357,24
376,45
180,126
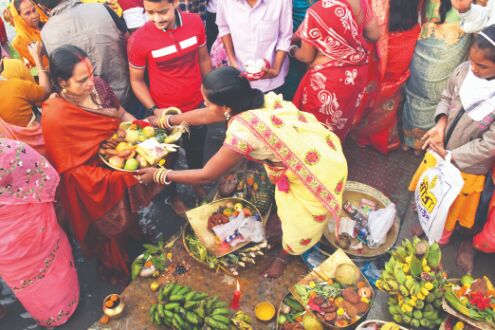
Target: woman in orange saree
x,y
333,44
399,31
101,203
35,255
27,18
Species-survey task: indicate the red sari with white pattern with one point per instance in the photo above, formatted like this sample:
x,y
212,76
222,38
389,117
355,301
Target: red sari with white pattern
x,y
332,91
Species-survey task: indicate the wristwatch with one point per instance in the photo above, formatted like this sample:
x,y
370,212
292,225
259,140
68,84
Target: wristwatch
x,y
152,108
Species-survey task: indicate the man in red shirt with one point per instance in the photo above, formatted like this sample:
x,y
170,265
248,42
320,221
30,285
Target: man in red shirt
x,y
172,48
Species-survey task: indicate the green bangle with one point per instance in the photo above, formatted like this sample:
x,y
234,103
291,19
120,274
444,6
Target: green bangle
x,y
152,108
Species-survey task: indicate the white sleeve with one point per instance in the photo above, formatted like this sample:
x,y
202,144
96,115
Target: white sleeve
x,y
134,17
477,18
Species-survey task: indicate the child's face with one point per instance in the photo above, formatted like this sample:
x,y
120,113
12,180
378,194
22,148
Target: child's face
x,y
481,66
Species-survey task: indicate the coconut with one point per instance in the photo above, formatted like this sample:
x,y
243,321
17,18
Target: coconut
x,y
347,274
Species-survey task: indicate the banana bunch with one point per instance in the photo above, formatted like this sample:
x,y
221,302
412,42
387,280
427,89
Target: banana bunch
x,y
242,321
412,279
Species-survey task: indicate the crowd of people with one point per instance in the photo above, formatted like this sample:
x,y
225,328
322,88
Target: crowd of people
x,y
416,74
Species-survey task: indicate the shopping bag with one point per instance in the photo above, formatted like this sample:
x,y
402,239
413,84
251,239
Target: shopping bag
x,y
437,189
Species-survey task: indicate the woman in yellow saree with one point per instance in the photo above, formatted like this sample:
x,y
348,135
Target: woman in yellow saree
x,y
302,157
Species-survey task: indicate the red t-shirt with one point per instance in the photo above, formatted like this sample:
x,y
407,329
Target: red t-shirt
x,y
172,60
128,4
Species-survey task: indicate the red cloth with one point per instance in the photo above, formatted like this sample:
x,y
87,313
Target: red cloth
x,y
3,33
172,60
128,4
332,91
379,126
72,138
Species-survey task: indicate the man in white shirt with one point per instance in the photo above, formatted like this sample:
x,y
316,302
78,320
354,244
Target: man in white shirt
x,y
475,17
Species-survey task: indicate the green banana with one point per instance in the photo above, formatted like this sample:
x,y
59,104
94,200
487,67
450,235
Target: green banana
x,y
399,274
403,291
415,267
434,256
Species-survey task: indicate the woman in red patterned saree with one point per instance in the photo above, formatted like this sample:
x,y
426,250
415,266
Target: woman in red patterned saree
x,y
333,44
399,31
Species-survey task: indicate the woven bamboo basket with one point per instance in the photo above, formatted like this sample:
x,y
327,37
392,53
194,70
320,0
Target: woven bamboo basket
x,y
198,219
354,192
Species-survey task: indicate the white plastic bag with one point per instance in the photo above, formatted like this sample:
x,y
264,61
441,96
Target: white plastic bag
x,y
437,189
379,223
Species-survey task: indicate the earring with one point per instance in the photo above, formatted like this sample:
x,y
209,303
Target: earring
x,y
226,115
64,91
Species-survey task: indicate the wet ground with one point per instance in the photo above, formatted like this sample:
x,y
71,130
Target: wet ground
x,y
390,174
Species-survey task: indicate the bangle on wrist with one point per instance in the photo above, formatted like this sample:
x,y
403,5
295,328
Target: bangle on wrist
x,y
164,122
165,178
152,108
292,50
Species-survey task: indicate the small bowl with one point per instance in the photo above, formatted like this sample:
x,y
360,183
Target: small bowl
x,y
114,312
264,311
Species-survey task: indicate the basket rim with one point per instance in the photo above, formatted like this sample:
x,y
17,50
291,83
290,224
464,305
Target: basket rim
x,y
355,186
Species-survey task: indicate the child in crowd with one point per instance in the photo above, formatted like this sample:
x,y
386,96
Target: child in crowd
x,y
465,127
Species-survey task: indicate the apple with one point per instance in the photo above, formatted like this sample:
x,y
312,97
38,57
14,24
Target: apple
x,y
116,161
148,131
142,162
132,136
123,146
238,207
131,164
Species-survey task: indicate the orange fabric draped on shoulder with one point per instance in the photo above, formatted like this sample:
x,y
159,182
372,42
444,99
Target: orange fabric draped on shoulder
x,y
72,138
73,135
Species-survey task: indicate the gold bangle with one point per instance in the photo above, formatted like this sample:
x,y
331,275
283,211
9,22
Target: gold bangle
x,y
156,175
161,123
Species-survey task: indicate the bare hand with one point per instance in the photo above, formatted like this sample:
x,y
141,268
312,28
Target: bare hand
x,y
233,63
439,149
462,6
270,73
153,120
434,135
145,175
35,49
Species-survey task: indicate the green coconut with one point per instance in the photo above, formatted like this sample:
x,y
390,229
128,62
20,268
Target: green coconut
x,y
347,274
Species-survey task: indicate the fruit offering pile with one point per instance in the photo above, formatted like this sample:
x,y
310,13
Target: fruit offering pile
x,y
227,213
120,150
338,302
474,298
415,283
152,262
181,308
252,185
233,261
292,315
